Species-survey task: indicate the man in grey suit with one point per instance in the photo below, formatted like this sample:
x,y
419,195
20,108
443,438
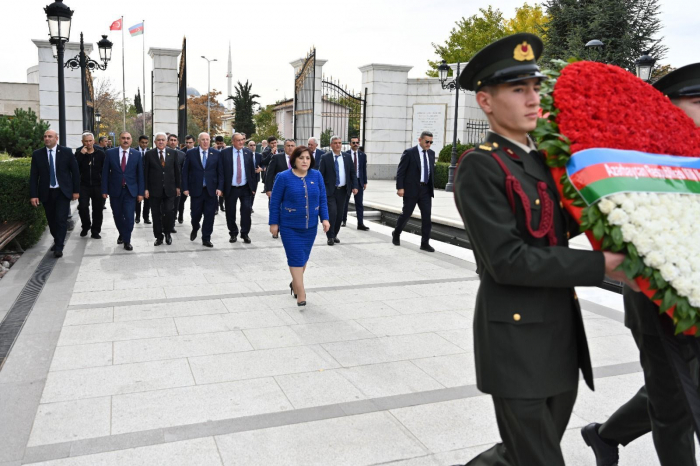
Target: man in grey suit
x,y
315,152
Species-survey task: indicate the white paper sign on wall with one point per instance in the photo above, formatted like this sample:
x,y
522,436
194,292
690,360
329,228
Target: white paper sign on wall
x,y
430,117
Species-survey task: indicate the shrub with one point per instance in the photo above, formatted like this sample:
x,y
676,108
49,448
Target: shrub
x,y
441,172
446,152
22,134
14,201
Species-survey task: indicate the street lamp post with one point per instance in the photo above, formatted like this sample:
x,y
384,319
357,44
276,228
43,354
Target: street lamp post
x,y
595,48
98,118
644,66
443,70
58,17
83,62
208,92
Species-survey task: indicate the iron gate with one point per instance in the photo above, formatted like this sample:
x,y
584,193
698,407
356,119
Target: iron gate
x,y
304,90
475,132
343,114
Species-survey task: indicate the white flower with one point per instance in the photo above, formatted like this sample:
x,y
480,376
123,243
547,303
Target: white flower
x,y
644,244
668,271
606,206
655,259
628,206
683,285
629,232
618,198
618,217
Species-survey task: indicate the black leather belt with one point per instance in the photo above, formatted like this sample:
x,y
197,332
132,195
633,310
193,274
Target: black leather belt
x,y
424,184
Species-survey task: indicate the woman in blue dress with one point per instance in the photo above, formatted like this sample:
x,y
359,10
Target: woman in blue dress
x,y
298,200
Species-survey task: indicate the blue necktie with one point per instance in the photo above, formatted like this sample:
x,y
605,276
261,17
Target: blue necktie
x,y
52,170
337,171
425,168
204,165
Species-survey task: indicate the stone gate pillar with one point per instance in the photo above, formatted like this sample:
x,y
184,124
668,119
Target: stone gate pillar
x,y
165,102
318,104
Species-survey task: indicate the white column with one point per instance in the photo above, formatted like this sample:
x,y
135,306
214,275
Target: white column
x,y
165,99
318,104
47,75
387,125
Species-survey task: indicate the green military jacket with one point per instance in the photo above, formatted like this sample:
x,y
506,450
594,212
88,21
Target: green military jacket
x,y
529,339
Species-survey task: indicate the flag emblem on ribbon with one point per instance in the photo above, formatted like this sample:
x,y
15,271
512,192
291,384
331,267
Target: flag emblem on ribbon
x,y
136,29
116,26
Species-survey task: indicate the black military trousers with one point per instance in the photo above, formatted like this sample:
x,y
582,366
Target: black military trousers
x,y
181,205
94,194
425,203
146,208
531,430
246,197
163,215
57,208
336,204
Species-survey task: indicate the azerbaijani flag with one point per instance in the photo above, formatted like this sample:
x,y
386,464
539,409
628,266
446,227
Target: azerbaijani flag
x,y
136,29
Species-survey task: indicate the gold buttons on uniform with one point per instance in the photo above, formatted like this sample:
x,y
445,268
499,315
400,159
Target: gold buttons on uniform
x,y
516,317
561,204
495,144
575,296
568,235
537,202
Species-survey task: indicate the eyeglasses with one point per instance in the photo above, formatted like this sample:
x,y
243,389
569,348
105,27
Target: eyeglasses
x,y
355,143
428,142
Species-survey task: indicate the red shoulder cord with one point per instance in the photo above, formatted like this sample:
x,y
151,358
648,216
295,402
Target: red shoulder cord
x,y
546,220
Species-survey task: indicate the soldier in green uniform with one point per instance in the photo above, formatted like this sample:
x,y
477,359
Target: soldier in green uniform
x,y
659,406
529,338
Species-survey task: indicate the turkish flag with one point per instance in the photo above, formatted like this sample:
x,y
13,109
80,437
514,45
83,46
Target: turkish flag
x,y
116,26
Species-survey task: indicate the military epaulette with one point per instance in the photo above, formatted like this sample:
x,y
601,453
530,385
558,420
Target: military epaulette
x,y
486,147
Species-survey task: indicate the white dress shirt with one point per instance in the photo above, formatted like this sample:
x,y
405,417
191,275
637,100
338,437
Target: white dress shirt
x,y
422,168
238,153
52,155
341,170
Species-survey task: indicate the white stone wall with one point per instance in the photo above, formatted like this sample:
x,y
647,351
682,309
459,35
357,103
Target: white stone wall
x,y
47,77
391,95
19,95
165,101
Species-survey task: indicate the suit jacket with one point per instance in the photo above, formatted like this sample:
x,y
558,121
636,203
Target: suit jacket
x,y
257,157
112,173
529,338
66,169
180,158
361,166
90,166
161,181
193,174
277,164
408,172
327,169
267,155
248,167
318,153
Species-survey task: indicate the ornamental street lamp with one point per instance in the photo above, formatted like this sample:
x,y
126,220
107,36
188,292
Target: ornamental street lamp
x,y
208,93
98,118
83,62
443,70
595,49
644,66
58,17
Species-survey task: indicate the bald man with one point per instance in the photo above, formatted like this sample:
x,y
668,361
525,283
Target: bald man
x,y
54,181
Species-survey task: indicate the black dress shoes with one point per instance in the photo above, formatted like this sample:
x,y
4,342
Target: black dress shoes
x,y
362,227
395,239
128,247
168,239
84,232
158,242
95,236
207,244
193,235
58,254
180,219
173,230
427,247
53,248
344,224
120,240
336,240
233,239
605,454
138,220
146,221
330,242
246,239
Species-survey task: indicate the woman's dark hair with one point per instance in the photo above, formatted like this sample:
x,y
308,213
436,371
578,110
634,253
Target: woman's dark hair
x,y
297,152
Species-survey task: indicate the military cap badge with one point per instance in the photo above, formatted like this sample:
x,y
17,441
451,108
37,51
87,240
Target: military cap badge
x,y
523,52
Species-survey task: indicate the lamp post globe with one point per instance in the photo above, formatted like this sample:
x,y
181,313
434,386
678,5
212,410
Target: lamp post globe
x,y
595,48
98,117
443,70
644,66
58,17
105,46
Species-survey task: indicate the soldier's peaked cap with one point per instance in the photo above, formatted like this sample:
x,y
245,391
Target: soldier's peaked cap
x,y
683,82
510,59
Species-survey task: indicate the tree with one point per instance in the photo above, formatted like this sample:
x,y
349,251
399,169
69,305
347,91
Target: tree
x,y
22,133
265,124
628,28
137,102
476,32
243,102
197,111
326,137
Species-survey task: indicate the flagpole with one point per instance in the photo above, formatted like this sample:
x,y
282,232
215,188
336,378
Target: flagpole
x,y
143,99
123,79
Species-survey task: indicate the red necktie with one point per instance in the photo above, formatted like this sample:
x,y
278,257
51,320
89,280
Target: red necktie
x,y
239,174
123,168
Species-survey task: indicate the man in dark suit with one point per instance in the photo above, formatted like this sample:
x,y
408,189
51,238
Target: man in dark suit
x,y
203,181
415,182
340,180
143,148
315,152
54,181
189,145
162,177
278,163
258,169
122,182
359,163
90,160
269,150
239,184
220,144
529,339
172,144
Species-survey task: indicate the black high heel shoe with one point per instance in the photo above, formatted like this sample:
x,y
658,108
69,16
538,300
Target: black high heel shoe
x,y
291,289
303,303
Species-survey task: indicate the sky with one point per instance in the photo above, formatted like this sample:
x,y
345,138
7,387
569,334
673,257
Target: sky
x,y
266,35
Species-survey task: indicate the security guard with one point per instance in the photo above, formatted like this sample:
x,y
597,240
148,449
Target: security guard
x,y
529,338
659,406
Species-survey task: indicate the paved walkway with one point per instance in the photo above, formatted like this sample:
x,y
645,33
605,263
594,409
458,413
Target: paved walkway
x,y
183,355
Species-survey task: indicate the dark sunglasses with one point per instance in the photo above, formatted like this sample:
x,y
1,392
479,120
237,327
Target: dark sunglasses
x,y
355,143
428,142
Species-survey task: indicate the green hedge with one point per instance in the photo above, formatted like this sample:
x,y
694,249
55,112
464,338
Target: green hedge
x,y
446,152
14,201
441,172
